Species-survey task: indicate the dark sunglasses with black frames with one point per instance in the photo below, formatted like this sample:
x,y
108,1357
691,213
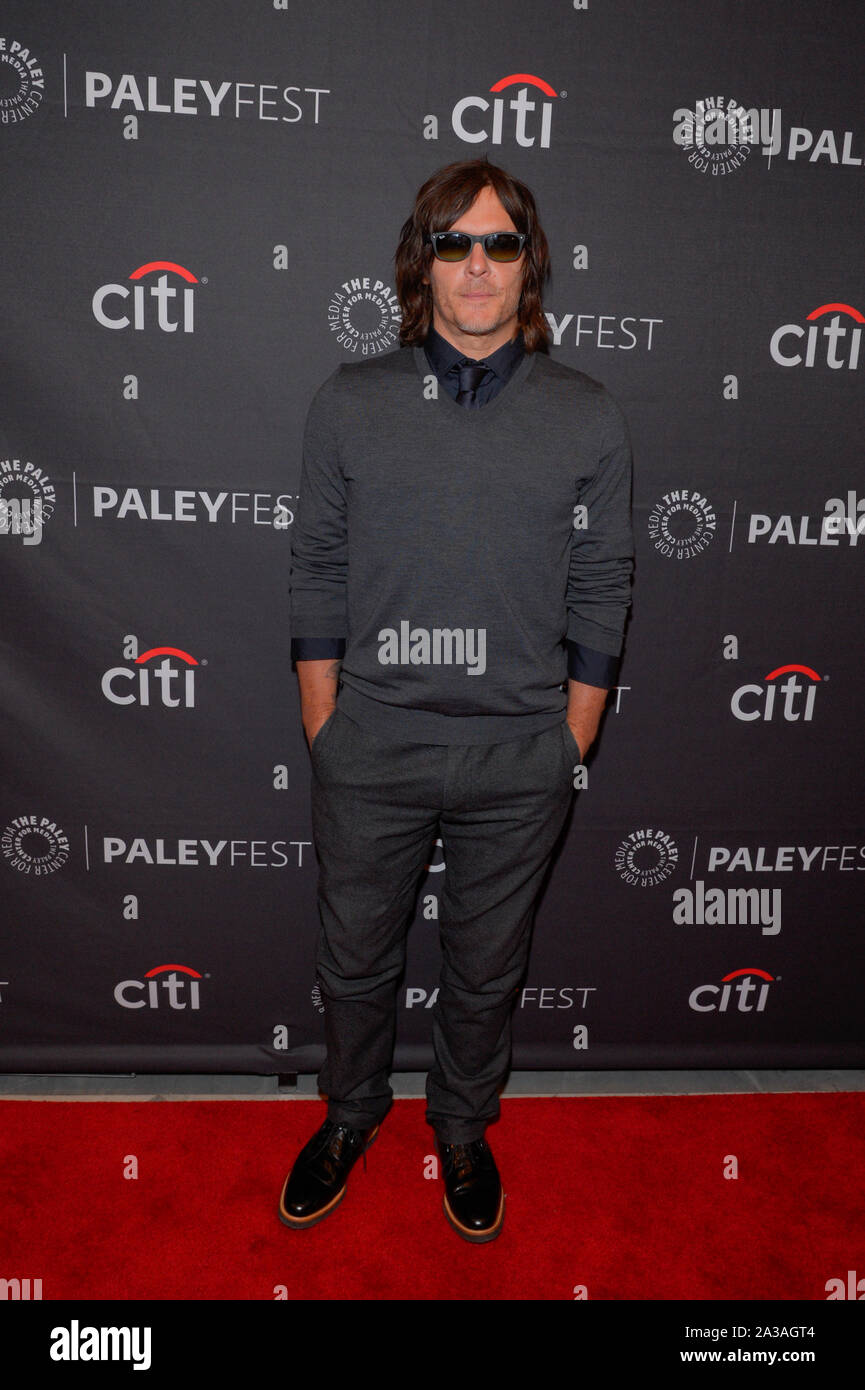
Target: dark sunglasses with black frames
x,y
457,246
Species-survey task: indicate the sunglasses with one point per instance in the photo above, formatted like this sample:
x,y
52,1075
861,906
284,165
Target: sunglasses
x,y
457,246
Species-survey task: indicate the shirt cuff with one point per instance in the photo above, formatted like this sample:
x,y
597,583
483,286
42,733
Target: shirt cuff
x,y
591,667
316,648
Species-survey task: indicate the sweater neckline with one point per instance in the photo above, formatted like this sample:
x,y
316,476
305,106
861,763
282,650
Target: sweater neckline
x,y
507,393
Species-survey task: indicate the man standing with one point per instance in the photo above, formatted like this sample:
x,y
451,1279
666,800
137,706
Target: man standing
x,y
461,565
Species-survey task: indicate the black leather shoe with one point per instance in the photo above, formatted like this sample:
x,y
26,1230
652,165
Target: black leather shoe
x,y
316,1184
474,1202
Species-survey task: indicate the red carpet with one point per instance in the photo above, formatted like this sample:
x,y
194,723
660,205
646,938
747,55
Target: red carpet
x,y
631,1203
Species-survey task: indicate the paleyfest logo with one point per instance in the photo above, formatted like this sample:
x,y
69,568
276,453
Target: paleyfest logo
x,y
212,507
842,516
22,83
191,96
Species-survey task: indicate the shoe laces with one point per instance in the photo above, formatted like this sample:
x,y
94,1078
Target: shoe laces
x,y
341,1137
463,1158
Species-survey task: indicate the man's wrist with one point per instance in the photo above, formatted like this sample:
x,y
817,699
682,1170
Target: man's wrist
x,y
320,710
585,707
315,720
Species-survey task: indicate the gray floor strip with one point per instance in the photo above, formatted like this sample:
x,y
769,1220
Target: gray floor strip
x,y
411,1084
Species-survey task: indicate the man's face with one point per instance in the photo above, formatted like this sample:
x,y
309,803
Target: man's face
x,y
475,301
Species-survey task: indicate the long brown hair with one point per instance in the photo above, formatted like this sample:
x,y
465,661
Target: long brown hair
x,y
440,202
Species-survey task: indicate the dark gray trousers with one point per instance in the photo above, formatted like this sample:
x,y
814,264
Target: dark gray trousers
x,y
377,809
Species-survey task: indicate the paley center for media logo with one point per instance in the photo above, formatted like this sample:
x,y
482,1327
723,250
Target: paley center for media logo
x,y
719,133
525,116
174,308
174,986
682,524
646,858
833,344
27,499
159,676
365,316
22,82
753,701
34,845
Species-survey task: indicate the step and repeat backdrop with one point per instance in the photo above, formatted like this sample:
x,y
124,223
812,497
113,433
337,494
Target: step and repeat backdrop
x,y
200,208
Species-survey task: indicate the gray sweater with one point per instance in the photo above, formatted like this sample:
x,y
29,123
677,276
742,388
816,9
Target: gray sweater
x,y
462,563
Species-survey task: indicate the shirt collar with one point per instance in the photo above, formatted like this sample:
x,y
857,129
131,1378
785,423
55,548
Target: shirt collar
x,y
442,355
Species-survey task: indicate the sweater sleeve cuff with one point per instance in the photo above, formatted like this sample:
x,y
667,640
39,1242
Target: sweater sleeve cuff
x,y
316,648
591,667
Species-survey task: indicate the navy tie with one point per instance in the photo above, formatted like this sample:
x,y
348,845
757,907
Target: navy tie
x,y
471,376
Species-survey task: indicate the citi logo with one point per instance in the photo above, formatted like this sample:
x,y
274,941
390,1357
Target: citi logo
x,y
716,998
174,304
180,992
758,701
838,344
170,683
526,113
